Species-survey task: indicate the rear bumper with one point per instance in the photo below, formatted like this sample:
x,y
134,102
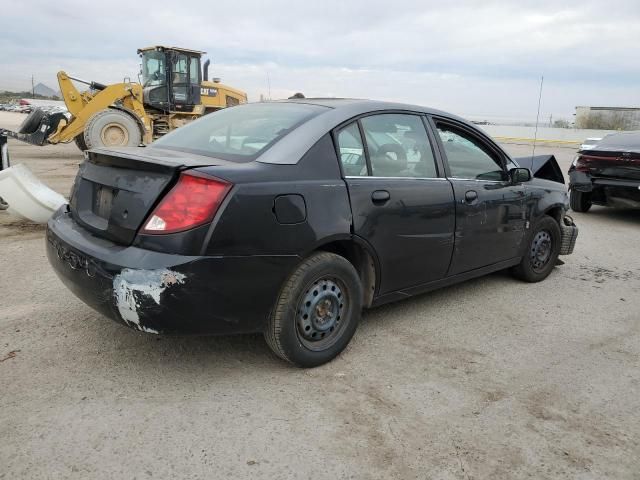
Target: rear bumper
x,y
585,182
616,192
162,293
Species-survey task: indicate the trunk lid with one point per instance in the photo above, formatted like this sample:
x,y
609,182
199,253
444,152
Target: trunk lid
x,y
116,189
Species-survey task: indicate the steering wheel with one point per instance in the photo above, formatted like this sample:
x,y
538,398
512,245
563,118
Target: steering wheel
x,y
400,162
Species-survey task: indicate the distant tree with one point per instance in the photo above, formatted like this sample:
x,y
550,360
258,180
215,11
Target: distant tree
x,y
611,121
561,123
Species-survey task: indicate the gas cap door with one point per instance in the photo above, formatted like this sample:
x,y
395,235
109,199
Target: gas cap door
x,y
290,209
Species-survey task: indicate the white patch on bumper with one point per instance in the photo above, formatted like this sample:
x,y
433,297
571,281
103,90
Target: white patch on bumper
x,y
130,285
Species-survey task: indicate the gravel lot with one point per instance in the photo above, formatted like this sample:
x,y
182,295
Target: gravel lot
x,y
493,378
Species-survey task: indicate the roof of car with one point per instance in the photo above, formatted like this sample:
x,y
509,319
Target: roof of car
x,y
366,104
339,110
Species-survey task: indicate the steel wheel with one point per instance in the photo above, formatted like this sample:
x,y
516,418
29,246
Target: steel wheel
x,y
319,313
111,128
540,250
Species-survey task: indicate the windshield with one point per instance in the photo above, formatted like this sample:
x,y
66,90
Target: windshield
x,y
239,133
153,69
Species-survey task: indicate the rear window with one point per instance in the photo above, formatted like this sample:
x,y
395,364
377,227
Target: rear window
x,y
239,133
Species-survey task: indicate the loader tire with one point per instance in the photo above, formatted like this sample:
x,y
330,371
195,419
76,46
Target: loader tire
x,y
112,128
80,143
32,122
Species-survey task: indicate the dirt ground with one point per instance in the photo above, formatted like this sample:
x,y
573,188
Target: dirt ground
x,y
492,378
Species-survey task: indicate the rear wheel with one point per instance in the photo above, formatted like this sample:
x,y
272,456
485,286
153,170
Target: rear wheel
x,y
580,201
112,128
542,252
317,311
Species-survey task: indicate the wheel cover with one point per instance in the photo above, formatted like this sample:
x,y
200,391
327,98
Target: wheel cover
x,y
541,250
114,134
320,313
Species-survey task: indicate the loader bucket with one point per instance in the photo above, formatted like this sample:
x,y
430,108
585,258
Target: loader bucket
x,y
37,127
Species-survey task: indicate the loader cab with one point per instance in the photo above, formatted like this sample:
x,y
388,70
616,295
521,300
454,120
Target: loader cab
x,y
170,78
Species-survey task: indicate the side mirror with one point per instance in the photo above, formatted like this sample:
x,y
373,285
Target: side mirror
x,y
520,175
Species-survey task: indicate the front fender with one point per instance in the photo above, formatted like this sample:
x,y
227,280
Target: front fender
x,y
544,196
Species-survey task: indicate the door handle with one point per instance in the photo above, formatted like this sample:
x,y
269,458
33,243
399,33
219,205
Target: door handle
x,y
470,196
380,196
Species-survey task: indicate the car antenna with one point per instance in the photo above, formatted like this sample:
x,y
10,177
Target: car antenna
x,y
535,135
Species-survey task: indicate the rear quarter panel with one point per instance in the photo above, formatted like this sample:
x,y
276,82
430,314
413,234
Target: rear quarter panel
x,y
248,224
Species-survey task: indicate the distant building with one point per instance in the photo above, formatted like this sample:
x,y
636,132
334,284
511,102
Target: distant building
x,y
608,118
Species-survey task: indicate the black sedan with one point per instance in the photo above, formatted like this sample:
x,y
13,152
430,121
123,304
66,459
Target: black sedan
x,y
289,218
608,173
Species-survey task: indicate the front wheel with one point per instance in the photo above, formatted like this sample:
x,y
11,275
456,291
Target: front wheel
x,y
80,143
317,311
112,128
542,252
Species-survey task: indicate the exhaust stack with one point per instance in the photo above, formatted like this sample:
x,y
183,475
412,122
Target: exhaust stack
x,y
205,70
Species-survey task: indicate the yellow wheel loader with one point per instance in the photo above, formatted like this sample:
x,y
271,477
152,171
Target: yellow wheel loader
x,y
174,89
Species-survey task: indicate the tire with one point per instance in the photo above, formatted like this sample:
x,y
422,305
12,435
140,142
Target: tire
x,y
32,122
79,140
543,248
112,128
317,311
580,201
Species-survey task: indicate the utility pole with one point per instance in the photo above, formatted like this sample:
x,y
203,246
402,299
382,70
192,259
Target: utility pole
x,y
269,84
33,89
551,120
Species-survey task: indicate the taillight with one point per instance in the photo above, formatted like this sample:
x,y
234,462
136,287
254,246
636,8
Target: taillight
x,y
580,163
193,201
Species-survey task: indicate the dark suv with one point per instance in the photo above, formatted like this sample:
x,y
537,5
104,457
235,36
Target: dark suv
x,y
290,217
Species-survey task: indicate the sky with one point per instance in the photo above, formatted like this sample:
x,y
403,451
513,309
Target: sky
x,y
479,59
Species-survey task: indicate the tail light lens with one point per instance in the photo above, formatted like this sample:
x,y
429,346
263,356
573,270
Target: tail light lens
x,y
193,201
584,163
580,163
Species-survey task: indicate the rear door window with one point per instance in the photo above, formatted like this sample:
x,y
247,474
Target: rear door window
x,y
398,146
351,149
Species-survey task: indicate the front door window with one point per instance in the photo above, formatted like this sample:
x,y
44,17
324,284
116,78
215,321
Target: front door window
x,y
468,158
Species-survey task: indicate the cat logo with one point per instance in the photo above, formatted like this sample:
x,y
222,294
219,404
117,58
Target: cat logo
x,y
208,92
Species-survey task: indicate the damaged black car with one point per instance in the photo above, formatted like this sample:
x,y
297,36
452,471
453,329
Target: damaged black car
x,y
289,218
607,174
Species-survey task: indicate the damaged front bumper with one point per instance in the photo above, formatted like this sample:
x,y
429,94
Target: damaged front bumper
x,y
569,235
162,293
